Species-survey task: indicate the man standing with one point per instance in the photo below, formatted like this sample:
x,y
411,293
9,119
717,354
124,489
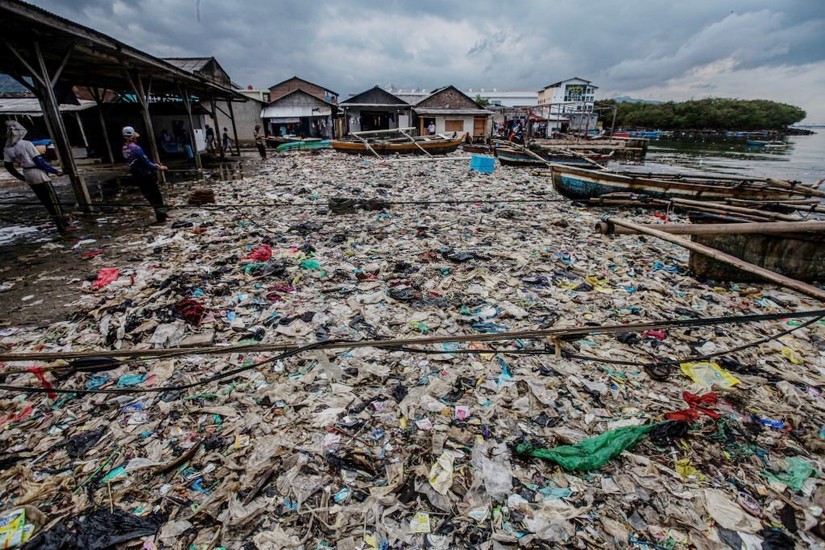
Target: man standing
x,y
260,141
431,128
35,170
210,138
144,171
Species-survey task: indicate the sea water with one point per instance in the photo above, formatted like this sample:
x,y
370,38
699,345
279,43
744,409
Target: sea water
x,y
802,160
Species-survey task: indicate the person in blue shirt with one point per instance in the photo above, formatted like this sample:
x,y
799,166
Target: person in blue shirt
x,y
144,172
36,171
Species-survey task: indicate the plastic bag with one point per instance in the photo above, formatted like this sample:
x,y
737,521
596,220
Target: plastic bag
x,y
96,530
797,471
709,375
105,276
591,453
80,444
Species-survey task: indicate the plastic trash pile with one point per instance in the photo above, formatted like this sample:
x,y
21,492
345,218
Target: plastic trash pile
x,y
472,444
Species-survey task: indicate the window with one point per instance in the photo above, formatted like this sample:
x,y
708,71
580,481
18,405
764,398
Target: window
x,y
453,125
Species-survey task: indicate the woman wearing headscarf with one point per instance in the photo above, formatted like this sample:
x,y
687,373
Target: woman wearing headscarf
x,y
144,172
35,170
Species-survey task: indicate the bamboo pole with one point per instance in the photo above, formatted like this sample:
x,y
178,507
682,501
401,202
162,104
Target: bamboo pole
x,y
412,139
769,228
802,189
772,276
735,209
702,206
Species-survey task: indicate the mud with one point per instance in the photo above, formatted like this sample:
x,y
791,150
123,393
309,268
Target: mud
x,y
40,269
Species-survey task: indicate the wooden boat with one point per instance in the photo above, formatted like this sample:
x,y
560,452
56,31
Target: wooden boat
x,y
581,184
407,145
478,149
511,156
800,255
778,144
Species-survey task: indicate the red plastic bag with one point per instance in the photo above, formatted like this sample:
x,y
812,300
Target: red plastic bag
x,y
260,253
105,276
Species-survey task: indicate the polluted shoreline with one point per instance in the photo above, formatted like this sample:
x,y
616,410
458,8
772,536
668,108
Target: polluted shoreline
x,y
672,433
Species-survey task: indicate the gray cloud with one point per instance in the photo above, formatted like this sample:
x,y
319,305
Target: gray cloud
x,y
667,50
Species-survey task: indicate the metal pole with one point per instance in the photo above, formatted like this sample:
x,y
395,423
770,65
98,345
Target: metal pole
x,y
61,140
234,128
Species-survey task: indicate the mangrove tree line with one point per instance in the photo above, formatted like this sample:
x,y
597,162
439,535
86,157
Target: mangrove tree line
x,y
709,114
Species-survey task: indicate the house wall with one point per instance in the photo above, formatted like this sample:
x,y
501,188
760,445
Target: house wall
x,y
302,102
353,115
441,123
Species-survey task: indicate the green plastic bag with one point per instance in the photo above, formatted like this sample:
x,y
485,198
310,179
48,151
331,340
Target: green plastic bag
x,y
797,471
591,453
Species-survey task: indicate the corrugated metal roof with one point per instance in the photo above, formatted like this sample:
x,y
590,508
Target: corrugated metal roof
x,y
30,106
190,64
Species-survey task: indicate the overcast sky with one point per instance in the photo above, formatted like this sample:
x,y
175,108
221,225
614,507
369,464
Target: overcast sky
x,y
666,50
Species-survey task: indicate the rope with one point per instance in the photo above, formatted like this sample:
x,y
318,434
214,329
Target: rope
x,y
534,334
47,388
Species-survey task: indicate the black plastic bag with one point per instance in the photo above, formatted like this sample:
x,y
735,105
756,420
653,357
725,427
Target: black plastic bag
x,y
80,444
96,530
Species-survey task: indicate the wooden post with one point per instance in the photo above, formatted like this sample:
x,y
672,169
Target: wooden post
x,y
187,104
214,114
82,130
137,87
99,101
772,276
147,122
51,110
234,128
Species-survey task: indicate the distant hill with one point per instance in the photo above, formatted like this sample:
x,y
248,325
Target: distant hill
x,y
628,99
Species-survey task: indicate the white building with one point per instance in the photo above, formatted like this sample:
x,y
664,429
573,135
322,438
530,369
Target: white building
x,y
568,105
504,98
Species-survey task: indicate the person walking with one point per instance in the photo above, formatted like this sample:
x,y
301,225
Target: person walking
x,y
144,171
227,141
260,141
35,171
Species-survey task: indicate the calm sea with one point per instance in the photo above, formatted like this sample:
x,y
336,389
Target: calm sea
x,y
802,160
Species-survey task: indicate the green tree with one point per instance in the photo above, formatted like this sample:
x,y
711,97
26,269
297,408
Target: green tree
x,y
706,114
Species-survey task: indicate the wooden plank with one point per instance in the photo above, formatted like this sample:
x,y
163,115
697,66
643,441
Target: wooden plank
x,y
768,228
772,276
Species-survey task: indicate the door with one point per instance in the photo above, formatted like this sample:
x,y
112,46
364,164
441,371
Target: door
x,y
479,128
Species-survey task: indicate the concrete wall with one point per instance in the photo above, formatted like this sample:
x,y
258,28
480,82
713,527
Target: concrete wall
x,y
247,115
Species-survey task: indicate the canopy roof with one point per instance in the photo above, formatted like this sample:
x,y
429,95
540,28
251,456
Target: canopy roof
x,y
96,60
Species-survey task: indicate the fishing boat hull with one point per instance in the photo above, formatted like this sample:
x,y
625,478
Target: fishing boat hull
x,y
514,157
433,147
799,256
582,184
